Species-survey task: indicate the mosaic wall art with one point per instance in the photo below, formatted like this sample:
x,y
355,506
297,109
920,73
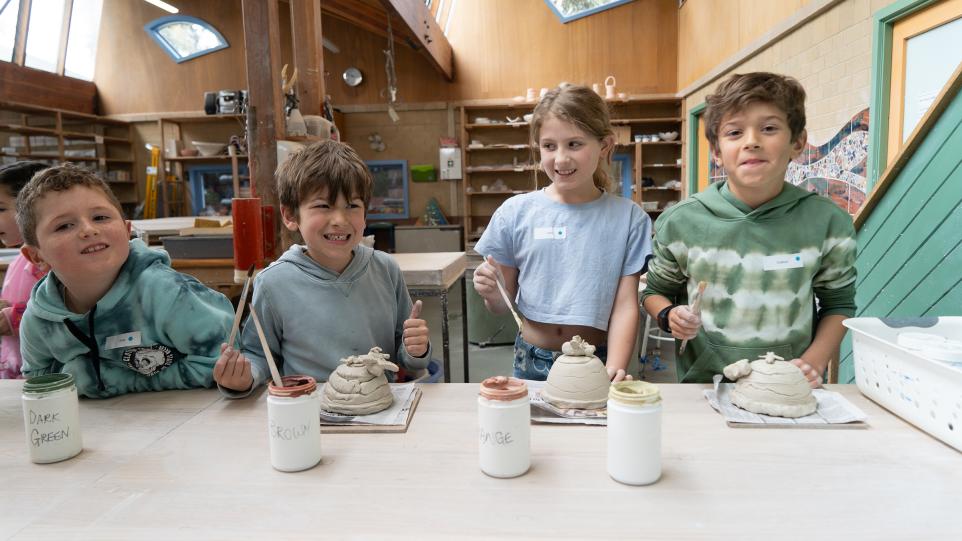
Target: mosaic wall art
x,y
835,169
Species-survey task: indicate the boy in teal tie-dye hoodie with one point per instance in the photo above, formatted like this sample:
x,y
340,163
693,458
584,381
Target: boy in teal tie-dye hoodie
x,y
112,311
765,248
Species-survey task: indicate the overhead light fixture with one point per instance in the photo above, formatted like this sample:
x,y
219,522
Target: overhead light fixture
x,y
163,5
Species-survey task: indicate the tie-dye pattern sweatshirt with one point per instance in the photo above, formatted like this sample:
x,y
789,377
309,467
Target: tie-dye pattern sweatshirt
x,y
763,267
155,329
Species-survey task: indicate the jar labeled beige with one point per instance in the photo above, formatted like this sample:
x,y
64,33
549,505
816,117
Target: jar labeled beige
x,y
51,418
634,432
504,422
294,423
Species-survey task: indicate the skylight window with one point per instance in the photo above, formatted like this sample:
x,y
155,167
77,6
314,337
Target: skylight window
x,y
9,11
569,10
184,38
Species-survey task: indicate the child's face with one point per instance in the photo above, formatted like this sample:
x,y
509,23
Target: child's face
x,y
81,236
9,234
331,229
569,155
755,146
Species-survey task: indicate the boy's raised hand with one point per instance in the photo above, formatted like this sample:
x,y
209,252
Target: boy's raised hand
x,y
416,333
233,370
684,324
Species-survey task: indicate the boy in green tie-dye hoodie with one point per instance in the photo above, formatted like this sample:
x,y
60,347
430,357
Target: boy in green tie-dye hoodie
x,y
765,248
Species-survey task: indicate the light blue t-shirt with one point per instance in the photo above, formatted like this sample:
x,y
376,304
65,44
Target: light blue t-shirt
x,y
570,258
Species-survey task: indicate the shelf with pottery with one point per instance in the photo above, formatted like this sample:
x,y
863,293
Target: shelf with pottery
x,y
45,134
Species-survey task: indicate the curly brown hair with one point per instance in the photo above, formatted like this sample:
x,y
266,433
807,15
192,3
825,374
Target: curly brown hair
x,y
741,90
55,179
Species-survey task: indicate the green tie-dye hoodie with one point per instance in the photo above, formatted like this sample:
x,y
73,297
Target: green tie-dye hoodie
x,y
762,267
155,329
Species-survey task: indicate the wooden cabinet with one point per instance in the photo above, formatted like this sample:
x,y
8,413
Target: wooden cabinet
x,y
499,160
54,136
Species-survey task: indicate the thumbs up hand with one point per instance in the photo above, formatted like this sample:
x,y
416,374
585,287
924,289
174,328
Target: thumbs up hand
x,y
416,333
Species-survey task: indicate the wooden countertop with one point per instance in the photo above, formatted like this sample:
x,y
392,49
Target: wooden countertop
x,y
189,464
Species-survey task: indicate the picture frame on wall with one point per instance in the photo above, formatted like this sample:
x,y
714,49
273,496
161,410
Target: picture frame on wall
x,y
389,196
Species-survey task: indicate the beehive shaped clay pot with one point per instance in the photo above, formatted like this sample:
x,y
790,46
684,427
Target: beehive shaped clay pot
x,y
771,386
358,385
577,379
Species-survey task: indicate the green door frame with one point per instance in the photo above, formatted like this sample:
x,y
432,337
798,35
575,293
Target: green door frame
x,y
693,143
878,126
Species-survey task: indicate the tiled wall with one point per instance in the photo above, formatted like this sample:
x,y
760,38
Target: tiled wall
x,y
831,56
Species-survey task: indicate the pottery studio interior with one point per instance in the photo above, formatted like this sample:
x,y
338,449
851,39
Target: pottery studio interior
x,y
486,268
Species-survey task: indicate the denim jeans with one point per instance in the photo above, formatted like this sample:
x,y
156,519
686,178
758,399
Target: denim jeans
x,y
532,362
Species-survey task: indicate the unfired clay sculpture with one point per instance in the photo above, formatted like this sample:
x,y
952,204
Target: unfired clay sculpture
x,y
771,386
358,386
577,379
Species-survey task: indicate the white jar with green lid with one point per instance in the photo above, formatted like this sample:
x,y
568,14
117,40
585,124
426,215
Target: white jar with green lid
x,y
634,432
51,418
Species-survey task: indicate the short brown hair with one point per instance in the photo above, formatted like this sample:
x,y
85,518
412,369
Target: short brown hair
x,y
55,179
582,107
326,164
741,90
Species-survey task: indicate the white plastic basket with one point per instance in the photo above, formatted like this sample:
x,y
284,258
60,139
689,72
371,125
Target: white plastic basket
x,y
910,382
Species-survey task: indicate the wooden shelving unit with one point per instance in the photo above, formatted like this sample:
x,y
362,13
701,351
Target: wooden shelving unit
x,y
29,132
501,150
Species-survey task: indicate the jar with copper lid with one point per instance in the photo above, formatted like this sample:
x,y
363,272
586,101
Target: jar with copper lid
x,y
294,423
634,432
504,422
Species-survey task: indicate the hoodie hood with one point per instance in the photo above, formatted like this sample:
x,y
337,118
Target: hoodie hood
x,y
47,302
297,256
721,203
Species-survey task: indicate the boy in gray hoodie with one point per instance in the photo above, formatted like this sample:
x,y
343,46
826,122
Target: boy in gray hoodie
x,y
330,297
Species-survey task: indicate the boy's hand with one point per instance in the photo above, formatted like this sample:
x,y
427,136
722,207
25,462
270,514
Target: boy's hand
x,y
812,373
485,280
233,370
416,333
684,324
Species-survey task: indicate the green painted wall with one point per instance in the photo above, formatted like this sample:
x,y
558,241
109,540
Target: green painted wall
x,y
910,248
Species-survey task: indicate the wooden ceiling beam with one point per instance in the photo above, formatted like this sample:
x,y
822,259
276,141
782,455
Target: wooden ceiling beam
x,y
435,47
372,18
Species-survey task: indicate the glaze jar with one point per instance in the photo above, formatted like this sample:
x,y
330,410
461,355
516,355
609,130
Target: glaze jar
x,y
294,423
51,418
504,422
634,432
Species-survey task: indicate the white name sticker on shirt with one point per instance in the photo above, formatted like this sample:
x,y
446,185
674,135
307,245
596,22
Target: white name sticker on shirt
x,y
123,340
784,261
551,233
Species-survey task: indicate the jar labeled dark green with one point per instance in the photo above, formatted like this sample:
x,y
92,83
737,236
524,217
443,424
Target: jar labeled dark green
x,y
51,418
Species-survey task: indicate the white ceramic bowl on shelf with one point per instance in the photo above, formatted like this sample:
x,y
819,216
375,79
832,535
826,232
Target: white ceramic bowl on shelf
x,y
207,148
668,135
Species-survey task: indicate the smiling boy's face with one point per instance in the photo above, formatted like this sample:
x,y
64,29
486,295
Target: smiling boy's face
x,y
754,146
81,236
331,228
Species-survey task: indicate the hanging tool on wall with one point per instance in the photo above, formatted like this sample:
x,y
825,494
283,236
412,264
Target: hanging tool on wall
x,y
295,122
391,73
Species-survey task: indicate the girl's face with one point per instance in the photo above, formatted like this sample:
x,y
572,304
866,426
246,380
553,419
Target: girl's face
x,y
569,156
9,233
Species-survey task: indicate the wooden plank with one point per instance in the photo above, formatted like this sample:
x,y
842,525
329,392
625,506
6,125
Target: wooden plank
x,y
20,44
435,269
308,54
265,117
436,47
375,429
37,87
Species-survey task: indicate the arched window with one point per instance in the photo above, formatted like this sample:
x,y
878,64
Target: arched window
x,y
185,37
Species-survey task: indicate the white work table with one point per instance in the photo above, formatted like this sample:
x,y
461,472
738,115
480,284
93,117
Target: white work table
x,y
189,464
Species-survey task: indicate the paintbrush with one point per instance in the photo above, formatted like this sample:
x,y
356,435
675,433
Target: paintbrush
x,y
240,307
695,309
275,375
499,279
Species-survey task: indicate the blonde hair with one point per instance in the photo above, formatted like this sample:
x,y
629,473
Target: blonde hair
x,y
327,164
582,107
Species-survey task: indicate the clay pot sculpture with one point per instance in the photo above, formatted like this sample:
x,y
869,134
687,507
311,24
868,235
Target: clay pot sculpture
x,y
771,386
358,385
577,378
